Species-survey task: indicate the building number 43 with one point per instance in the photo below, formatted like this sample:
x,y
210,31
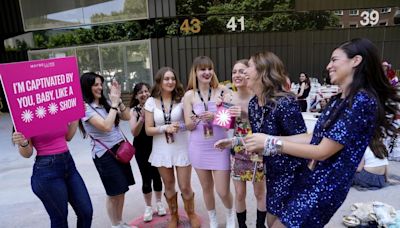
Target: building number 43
x,y
194,26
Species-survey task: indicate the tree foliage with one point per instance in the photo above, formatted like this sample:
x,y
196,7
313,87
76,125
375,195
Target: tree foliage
x,y
260,15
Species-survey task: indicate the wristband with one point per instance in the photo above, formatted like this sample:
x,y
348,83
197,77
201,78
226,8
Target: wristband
x,y
116,109
162,129
122,110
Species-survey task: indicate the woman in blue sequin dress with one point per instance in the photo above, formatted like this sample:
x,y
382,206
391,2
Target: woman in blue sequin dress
x,y
274,111
352,120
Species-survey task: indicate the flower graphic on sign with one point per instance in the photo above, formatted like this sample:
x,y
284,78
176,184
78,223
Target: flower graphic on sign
x,y
223,117
53,108
27,116
40,112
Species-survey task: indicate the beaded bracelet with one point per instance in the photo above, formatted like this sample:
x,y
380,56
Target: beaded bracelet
x,y
272,146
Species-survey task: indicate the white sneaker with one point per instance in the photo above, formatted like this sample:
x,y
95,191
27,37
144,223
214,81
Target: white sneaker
x,y
212,215
123,225
161,211
230,219
148,214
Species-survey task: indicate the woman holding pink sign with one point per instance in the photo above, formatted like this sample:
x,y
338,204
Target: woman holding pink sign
x,y
101,123
211,165
55,179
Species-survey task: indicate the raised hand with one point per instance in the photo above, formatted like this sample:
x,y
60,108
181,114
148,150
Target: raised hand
x,y
115,93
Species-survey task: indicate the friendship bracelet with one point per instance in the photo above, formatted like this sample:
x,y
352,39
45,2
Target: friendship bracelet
x,y
272,146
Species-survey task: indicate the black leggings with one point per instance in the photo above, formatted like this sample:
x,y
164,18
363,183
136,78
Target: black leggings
x,y
149,173
303,105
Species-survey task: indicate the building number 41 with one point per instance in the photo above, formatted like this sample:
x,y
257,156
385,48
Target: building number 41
x,y
232,23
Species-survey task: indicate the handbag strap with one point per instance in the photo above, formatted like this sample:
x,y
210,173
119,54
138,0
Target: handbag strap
x,y
101,143
122,133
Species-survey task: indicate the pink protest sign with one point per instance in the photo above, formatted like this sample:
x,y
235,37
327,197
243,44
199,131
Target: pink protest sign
x,y
43,94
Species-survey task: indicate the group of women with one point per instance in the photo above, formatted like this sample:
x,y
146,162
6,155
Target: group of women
x,y
307,175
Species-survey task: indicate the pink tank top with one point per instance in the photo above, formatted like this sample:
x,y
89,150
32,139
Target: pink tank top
x,y
51,143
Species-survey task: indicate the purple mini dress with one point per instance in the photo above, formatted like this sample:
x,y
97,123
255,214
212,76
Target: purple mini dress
x,y
202,153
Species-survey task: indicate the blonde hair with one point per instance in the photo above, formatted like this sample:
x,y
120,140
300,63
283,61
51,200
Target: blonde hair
x,y
199,63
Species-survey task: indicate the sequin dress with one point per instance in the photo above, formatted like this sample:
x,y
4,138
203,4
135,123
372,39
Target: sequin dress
x,y
282,171
242,166
325,188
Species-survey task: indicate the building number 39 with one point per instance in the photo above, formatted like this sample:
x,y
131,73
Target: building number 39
x,y
369,17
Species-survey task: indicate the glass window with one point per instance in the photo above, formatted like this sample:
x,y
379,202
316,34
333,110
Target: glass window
x,y
386,10
127,62
138,65
88,59
117,10
338,12
45,14
51,53
353,25
353,12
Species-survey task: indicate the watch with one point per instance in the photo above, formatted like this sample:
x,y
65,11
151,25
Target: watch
x,y
278,146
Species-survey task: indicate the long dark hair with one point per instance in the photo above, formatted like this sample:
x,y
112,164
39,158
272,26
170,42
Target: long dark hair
x,y
134,102
307,81
273,76
87,81
178,92
369,76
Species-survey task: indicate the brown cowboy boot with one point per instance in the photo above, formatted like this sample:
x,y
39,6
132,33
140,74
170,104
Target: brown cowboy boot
x,y
173,210
189,208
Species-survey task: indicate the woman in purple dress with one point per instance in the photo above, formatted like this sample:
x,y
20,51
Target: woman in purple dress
x,y
211,165
353,120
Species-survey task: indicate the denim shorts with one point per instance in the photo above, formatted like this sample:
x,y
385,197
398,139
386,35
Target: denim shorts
x,y
116,176
367,180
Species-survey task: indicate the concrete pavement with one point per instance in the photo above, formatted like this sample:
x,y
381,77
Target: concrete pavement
x,y
19,207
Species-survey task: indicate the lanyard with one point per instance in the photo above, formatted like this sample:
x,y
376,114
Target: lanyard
x,y
167,116
202,100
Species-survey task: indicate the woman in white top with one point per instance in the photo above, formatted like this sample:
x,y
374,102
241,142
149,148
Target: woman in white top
x,y
371,172
101,123
163,118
